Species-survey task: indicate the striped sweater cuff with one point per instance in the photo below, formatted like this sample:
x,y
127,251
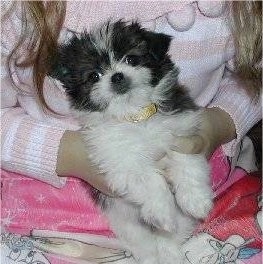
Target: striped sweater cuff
x,y
244,112
31,148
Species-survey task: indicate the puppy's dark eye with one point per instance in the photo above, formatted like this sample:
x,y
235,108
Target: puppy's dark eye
x,y
132,60
94,77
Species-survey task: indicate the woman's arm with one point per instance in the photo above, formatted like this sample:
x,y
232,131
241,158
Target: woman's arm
x,y
30,146
217,128
225,122
73,161
42,151
244,110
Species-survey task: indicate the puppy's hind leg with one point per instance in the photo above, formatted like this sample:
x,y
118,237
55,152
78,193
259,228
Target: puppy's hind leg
x,y
190,179
169,244
134,235
168,249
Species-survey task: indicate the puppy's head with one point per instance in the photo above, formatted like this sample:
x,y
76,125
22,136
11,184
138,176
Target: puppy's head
x,y
114,68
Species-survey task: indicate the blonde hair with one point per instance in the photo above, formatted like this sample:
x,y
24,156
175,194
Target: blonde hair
x,y
247,34
47,18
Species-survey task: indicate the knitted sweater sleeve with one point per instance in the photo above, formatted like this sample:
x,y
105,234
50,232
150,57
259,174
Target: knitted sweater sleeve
x,y
245,112
29,146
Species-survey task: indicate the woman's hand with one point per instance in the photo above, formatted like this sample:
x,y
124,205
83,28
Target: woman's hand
x,y
73,161
217,128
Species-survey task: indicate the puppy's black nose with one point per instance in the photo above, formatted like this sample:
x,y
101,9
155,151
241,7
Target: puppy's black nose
x,y
120,83
117,77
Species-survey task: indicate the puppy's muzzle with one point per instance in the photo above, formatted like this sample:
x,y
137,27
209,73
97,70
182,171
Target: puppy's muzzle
x,y
120,83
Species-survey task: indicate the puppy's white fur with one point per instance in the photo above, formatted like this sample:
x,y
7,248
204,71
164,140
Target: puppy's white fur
x,y
128,153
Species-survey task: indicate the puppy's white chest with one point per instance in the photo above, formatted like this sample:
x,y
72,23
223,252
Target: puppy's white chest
x,y
119,140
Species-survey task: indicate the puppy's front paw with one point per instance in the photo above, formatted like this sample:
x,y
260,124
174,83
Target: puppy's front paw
x,y
195,201
160,215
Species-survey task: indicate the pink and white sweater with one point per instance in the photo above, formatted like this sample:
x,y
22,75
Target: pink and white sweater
x,y
202,48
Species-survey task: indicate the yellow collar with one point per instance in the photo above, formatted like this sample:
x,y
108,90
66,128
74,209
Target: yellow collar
x,y
145,113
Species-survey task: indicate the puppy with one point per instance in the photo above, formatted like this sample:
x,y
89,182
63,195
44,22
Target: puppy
x,y
124,90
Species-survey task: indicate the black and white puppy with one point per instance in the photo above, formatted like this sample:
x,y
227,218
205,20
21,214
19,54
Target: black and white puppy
x,y
124,90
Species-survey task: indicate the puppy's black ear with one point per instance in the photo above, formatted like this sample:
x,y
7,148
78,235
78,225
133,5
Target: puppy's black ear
x,y
61,61
57,70
158,44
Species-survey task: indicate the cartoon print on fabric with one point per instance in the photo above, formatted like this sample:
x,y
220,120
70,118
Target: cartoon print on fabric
x,y
20,249
214,251
258,217
219,239
31,250
78,250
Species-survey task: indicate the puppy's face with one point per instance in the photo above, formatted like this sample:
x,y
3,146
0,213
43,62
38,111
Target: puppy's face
x,y
115,67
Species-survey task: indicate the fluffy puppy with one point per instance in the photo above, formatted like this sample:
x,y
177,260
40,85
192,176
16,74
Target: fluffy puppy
x,y
124,90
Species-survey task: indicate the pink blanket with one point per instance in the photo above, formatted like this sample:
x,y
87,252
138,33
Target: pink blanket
x,y
233,225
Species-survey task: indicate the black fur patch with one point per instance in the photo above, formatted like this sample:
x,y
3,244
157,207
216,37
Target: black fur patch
x,y
74,63
177,100
152,48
